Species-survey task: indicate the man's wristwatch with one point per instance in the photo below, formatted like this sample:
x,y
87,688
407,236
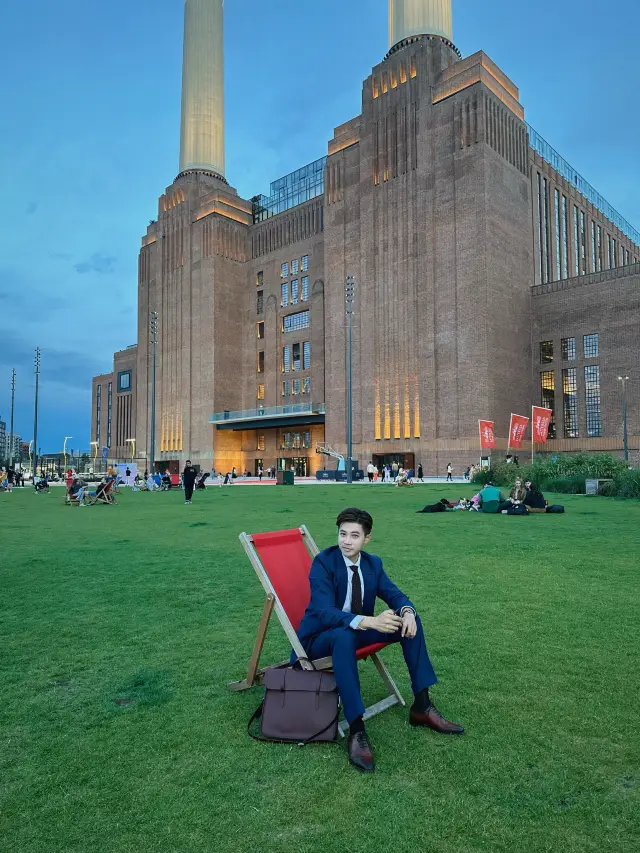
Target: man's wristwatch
x,y
406,608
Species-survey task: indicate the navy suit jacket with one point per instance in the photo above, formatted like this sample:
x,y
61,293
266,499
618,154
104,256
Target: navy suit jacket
x,y
328,579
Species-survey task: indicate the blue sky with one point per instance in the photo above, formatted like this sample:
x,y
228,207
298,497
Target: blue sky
x,y
89,138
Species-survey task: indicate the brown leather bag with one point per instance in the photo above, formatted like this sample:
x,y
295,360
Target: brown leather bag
x,y
299,706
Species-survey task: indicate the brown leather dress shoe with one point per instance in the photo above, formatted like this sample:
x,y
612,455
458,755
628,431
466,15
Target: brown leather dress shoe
x,y
433,719
360,752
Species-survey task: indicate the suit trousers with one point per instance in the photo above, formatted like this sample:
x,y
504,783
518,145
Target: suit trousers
x,y
343,643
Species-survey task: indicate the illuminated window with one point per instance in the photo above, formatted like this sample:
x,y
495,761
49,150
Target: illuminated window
x,y
375,89
592,400
261,362
304,296
568,349
548,397
570,402
260,443
284,271
413,72
294,291
306,355
305,263
286,388
286,359
285,441
403,73
385,85
546,352
284,287
260,330
591,346
293,322
295,267
260,279
260,393
394,79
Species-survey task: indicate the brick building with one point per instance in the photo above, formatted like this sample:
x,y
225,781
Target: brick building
x,y
113,408
490,276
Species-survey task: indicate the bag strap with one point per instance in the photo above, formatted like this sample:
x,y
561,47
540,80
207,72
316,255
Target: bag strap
x,y
258,713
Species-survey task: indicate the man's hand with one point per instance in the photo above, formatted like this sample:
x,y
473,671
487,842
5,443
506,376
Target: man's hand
x,y
386,623
409,625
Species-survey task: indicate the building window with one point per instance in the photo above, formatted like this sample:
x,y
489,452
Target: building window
x,y
593,246
614,252
98,406
548,397
583,242
592,400
293,322
109,411
576,240
297,364
286,388
260,302
284,299
568,349
306,441
543,228
124,381
608,258
260,330
305,263
558,237
591,346
286,359
260,279
260,392
261,362
599,249
306,355
284,270
297,387
295,267
285,441
306,385
565,238
294,291
260,443
546,352
305,289
570,402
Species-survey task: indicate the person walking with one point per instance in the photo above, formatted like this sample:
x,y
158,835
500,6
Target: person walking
x,y
420,472
449,473
260,473
189,478
370,471
394,471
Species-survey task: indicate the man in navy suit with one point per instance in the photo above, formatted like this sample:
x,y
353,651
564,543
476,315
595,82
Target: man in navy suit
x,y
345,582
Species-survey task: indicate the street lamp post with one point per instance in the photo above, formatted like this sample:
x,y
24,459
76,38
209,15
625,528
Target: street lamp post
x,y
35,415
154,341
64,450
349,297
625,432
13,394
132,442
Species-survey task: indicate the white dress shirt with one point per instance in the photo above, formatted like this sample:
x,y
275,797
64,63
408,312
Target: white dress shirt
x,y
355,622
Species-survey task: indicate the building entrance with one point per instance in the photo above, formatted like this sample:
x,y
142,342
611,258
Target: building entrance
x,y
406,460
300,465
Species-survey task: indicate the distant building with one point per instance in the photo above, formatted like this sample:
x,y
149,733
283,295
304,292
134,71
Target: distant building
x,y
490,276
113,407
3,440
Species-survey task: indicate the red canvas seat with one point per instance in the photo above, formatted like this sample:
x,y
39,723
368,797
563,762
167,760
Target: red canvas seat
x,y
282,561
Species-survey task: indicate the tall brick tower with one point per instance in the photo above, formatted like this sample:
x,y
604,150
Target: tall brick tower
x,y
427,204
191,266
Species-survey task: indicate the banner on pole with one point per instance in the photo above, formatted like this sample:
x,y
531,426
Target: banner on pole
x,y
540,426
487,435
105,453
517,430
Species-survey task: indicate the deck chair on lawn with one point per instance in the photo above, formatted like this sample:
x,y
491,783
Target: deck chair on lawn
x,y
282,561
103,494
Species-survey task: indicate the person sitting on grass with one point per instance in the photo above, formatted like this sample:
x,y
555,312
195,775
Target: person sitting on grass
x,y
463,504
534,499
490,498
345,582
516,497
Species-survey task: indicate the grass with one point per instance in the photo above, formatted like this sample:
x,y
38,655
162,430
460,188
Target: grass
x,y
121,626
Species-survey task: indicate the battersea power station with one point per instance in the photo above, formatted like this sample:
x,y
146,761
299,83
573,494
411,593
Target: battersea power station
x,y
489,276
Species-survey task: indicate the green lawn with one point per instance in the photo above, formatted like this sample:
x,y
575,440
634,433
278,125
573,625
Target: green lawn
x,y
121,626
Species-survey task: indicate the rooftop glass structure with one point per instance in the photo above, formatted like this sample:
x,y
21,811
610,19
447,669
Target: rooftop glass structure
x,y
291,190
570,174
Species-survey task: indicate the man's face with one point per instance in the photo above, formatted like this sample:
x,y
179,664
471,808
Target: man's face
x,y
352,539
188,462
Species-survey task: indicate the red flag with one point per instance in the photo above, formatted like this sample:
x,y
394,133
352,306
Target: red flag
x,y
517,430
541,421
487,435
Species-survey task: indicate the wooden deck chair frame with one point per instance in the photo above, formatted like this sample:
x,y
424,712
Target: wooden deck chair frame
x,y
255,674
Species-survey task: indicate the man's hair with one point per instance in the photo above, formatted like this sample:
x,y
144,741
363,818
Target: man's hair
x,y
353,515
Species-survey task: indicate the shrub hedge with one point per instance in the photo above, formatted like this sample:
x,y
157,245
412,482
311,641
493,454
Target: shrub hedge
x,y
567,474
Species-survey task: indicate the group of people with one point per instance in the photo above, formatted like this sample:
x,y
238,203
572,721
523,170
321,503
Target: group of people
x,y
9,478
524,497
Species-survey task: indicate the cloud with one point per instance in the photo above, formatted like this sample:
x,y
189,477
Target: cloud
x,y
72,370
102,264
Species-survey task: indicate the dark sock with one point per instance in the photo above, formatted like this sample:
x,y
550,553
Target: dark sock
x,y
356,726
422,700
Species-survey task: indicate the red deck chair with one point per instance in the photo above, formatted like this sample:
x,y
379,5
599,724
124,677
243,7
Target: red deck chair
x,y
282,561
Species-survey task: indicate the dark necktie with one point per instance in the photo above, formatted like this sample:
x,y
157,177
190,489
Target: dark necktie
x,y
356,592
